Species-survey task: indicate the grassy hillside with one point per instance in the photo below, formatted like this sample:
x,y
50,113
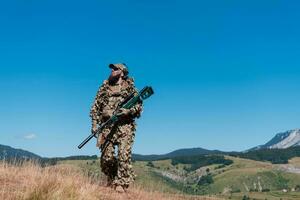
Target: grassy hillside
x,y
247,177
163,179
256,179
146,178
67,181
241,178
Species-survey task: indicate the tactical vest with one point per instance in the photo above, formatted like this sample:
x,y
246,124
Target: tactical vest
x,y
112,95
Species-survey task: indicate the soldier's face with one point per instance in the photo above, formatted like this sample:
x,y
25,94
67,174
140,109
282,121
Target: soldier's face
x,y
115,72
115,75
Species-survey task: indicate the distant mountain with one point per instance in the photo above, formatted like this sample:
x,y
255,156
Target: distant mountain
x,y
282,140
9,153
177,153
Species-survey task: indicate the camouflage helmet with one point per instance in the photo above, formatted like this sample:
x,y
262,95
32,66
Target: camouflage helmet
x,y
120,66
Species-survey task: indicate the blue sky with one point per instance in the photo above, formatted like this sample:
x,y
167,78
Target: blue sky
x,y
225,73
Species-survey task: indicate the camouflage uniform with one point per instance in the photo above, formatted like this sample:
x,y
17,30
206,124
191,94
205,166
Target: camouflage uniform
x,y
118,169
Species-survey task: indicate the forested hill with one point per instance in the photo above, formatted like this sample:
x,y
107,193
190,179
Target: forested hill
x,y
12,154
177,153
275,156
8,153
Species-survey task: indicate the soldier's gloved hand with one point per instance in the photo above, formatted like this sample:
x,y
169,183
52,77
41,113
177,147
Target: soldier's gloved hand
x,y
123,112
94,127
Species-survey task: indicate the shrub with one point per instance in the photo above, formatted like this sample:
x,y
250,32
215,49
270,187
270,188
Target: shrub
x,y
206,180
150,164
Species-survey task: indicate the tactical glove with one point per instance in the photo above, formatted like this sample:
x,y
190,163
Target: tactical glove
x,y
94,126
123,112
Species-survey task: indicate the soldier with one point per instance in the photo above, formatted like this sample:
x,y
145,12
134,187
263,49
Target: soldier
x,y
118,169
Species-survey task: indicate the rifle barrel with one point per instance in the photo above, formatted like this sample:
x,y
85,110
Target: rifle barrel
x,y
86,141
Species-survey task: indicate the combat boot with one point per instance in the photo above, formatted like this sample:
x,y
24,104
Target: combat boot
x,y
119,189
109,182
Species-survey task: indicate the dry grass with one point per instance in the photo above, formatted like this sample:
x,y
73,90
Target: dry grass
x,y
295,162
64,182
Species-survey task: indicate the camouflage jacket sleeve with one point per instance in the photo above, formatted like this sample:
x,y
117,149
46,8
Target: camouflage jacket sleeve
x,y
136,110
96,110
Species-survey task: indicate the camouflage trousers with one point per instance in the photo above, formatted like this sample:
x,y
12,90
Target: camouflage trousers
x,y
117,168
